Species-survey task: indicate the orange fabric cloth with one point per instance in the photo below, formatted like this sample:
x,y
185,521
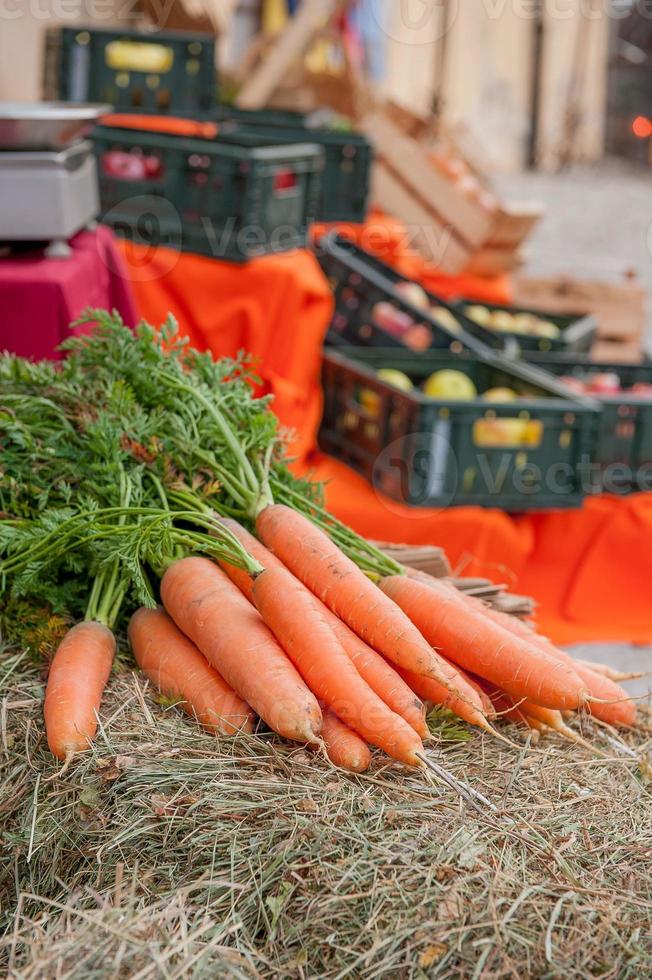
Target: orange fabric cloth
x,y
589,570
389,240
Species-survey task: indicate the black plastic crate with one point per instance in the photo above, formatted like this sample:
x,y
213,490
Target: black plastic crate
x,y
576,331
162,72
348,155
529,453
623,454
199,195
361,283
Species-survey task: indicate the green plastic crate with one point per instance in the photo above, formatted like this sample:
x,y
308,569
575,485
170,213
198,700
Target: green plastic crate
x,y
348,156
164,72
198,195
360,281
519,455
623,454
577,331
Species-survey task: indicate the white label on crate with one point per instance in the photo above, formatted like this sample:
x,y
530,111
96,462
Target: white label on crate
x,y
439,457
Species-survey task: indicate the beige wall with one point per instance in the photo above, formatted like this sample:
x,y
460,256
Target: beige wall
x,y
22,28
575,77
488,72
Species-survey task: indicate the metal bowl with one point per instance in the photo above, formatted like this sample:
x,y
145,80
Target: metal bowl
x,y
46,125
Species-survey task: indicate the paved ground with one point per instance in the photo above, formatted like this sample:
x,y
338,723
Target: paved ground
x,y
598,224
625,658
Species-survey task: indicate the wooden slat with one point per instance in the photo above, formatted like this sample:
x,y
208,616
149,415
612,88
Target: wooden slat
x,y
513,223
290,45
620,308
489,261
427,233
407,161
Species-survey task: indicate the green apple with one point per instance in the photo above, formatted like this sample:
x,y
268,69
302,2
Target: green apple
x,y
502,320
480,314
445,318
413,293
396,378
544,328
500,395
370,400
451,385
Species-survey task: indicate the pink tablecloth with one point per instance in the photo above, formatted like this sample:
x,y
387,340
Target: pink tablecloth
x,y
40,296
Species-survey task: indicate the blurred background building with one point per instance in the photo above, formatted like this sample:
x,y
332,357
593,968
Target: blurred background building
x,y
533,82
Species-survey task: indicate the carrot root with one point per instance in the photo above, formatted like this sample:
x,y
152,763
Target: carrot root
x,y
78,675
174,665
381,677
228,630
311,645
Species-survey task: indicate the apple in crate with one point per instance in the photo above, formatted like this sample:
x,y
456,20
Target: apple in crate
x,y
605,383
414,294
370,400
450,385
575,384
386,316
642,388
500,395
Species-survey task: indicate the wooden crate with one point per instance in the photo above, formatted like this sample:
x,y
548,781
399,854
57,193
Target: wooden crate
x,y
457,232
620,309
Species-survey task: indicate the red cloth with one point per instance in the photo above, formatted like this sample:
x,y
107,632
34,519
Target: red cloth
x,y
39,296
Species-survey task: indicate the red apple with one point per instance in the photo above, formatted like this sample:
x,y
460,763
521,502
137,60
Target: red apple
x,y
607,383
642,389
575,384
388,318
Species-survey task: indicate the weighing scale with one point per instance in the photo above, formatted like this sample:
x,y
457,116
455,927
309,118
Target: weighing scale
x,y
48,175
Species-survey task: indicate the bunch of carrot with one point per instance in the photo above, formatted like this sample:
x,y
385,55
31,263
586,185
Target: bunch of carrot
x,y
133,472
325,656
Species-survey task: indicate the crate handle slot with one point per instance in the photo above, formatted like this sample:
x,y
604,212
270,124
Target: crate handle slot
x,y
121,165
284,181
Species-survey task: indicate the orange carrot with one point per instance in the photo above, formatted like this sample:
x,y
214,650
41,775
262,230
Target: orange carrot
x,y
471,709
384,679
338,582
343,747
487,704
379,675
310,643
78,675
177,669
209,609
620,710
506,708
472,640
601,685
611,672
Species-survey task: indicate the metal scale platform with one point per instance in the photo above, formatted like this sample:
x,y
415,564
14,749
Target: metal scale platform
x,y
48,175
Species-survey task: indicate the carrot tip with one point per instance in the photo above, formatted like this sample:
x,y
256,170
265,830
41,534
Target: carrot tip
x,y
466,792
503,738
